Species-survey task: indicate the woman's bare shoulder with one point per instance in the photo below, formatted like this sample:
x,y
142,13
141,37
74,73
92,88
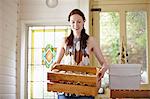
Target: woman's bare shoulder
x,y
92,42
91,39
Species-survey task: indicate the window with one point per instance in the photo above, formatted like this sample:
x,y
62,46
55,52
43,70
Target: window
x,y
123,34
136,29
40,40
109,35
136,33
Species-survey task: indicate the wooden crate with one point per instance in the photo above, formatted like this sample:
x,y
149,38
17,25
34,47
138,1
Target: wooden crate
x,y
118,93
80,80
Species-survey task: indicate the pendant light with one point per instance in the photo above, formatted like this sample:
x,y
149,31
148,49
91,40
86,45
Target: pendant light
x,y
51,3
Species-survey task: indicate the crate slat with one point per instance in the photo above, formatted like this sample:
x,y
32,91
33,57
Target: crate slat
x,y
72,89
88,69
88,80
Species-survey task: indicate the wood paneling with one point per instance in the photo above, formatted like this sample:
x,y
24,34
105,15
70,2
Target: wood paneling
x,y
8,30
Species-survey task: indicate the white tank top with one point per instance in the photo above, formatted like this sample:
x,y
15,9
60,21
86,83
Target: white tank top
x,y
75,55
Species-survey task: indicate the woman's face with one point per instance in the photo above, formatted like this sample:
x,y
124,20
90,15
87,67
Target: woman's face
x,y
76,23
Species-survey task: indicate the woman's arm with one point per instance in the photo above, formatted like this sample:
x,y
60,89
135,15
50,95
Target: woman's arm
x,y
97,52
60,53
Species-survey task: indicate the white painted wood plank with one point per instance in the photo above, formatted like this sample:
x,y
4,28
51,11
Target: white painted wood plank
x,y
9,16
7,80
9,56
7,62
10,21
7,89
8,96
6,70
4,49
7,59
8,44
9,3
0,17
8,30
9,37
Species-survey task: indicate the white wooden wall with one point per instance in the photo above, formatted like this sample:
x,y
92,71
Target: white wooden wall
x,y
0,19
8,30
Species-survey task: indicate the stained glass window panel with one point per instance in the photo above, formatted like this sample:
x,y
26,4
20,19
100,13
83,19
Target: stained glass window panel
x,y
49,38
36,72
38,41
38,90
41,39
37,56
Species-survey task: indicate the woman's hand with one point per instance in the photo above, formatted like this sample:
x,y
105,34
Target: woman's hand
x,y
52,66
100,74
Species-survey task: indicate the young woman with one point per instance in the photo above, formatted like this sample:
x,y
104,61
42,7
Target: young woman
x,y
77,49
